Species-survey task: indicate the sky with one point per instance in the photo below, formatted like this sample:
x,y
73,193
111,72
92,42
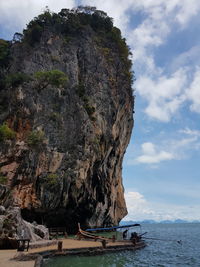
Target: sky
x,y
161,165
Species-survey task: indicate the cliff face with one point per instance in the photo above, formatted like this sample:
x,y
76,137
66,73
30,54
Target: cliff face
x,y
63,163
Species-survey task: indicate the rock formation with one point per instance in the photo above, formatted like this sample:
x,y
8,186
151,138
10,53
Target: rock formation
x,y
13,226
65,119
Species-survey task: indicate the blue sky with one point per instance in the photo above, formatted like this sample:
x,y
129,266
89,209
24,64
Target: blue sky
x,y
161,166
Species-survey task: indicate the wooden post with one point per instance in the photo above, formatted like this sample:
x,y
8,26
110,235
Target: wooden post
x,y
79,236
60,243
103,242
113,238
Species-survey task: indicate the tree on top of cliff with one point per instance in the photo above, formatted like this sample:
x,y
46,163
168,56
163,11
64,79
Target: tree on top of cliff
x,y
70,22
67,21
4,53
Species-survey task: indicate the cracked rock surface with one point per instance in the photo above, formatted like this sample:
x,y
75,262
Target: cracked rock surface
x,y
74,173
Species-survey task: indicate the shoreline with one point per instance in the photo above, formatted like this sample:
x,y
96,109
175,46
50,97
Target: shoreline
x,y
34,257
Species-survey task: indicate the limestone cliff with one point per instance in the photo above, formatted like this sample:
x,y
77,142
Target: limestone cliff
x,y
66,118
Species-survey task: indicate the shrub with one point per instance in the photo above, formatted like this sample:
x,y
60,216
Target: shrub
x,y
52,178
15,79
130,76
80,90
90,109
55,116
35,138
52,77
17,37
33,33
4,52
3,179
34,30
6,133
100,21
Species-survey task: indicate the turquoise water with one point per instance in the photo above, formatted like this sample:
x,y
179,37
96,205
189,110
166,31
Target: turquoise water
x,y
157,253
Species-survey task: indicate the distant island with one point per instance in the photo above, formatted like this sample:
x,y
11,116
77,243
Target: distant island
x,y
153,221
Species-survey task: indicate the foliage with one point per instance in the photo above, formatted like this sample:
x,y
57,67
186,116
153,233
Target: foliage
x,y
3,179
6,133
71,22
52,77
55,58
35,138
106,51
115,36
66,21
90,109
17,37
33,33
55,116
7,223
52,178
80,90
100,21
4,52
15,79
130,76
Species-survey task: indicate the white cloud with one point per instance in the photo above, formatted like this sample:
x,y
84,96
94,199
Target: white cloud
x,y
187,10
163,95
137,205
188,131
117,9
190,58
152,32
15,14
151,156
167,148
192,143
193,93
141,209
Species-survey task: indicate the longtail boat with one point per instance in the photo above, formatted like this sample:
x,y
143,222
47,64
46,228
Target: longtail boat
x,y
113,228
87,233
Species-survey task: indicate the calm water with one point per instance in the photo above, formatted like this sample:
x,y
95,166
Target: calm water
x,y
157,253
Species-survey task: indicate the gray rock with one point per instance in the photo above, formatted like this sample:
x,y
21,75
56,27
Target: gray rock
x,y
12,225
74,173
2,210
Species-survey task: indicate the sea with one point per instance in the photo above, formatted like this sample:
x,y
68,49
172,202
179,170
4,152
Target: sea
x,y
179,245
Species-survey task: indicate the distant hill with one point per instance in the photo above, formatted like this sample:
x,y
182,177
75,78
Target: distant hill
x,y
153,221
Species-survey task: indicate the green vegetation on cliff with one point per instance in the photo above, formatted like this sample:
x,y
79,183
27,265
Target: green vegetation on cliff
x,y
67,22
70,22
51,77
4,52
3,179
35,138
15,79
6,133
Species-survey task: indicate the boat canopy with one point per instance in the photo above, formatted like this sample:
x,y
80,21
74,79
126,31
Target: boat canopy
x,y
113,228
